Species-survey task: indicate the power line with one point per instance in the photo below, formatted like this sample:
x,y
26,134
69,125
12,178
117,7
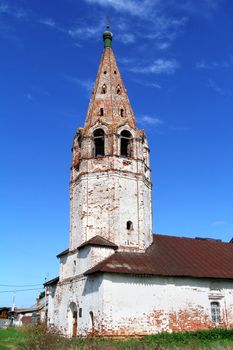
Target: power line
x,y
19,290
21,285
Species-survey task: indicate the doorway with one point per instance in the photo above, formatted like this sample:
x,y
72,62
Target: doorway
x,y
73,320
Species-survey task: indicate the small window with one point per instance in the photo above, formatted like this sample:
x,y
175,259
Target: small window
x,y
115,72
80,312
118,90
104,89
98,142
77,166
126,143
79,141
215,312
129,225
101,112
92,320
105,72
122,113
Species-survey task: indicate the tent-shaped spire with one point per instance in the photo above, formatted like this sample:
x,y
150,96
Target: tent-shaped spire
x,y
109,102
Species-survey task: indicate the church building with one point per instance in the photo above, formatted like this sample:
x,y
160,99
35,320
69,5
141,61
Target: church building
x,y
117,278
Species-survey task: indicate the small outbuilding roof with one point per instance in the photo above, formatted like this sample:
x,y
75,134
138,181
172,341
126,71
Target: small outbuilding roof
x,y
99,242
65,252
174,256
51,282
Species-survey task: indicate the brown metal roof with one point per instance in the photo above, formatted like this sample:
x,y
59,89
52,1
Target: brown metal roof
x,y
99,242
174,256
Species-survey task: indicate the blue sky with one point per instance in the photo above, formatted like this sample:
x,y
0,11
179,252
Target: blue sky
x,y
176,58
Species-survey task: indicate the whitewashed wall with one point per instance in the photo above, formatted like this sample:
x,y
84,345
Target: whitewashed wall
x,y
146,305
86,294
128,305
103,203
77,262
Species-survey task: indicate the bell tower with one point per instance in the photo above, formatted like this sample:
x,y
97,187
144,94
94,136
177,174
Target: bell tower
x,y
110,188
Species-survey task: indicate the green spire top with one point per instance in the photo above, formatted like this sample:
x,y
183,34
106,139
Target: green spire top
x,y
107,35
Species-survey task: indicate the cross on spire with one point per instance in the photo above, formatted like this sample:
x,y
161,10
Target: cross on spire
x,y
108,23
107,35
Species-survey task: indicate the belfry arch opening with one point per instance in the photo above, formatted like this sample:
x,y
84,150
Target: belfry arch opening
x,y
98,137
126,143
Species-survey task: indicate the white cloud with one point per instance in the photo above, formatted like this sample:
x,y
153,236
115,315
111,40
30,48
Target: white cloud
x,y
135,8
215,87
219,223
147,119
48,21
159,66
163,45
87,84
214,64
12,11
149,84
126,38
85,32
4,8
203,8
29,96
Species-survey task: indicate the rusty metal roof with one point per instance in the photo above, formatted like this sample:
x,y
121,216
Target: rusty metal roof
x,y
174,256
99,242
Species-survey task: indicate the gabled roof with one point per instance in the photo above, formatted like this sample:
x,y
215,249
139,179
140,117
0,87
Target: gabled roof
x,y
174,256
99,242
51,282
65,252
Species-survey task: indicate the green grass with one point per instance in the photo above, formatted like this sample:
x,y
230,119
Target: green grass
x,y
8,338
36,338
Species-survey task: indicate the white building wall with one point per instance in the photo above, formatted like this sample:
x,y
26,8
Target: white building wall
x,y
84,293
125,305
77,262
147,305
104,202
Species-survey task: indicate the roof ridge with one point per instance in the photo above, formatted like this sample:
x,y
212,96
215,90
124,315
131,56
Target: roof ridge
x,y
199,239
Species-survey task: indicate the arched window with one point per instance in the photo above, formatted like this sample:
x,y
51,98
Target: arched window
x,y
129,225
92,320
99,142
118,90
104,89
122,112
126,140
215,312
101,112
79,141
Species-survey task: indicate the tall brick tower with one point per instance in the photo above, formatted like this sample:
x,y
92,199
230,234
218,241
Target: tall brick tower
x,y
110,189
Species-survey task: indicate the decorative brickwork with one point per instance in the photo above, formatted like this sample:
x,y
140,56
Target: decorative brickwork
x,y
110,175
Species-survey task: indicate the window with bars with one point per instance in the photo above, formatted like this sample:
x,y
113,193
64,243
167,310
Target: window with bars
x,y
215,312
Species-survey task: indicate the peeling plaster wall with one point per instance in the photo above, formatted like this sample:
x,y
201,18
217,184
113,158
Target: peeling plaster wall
x,y
147,305
79,261
125,305
104,202
85,293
